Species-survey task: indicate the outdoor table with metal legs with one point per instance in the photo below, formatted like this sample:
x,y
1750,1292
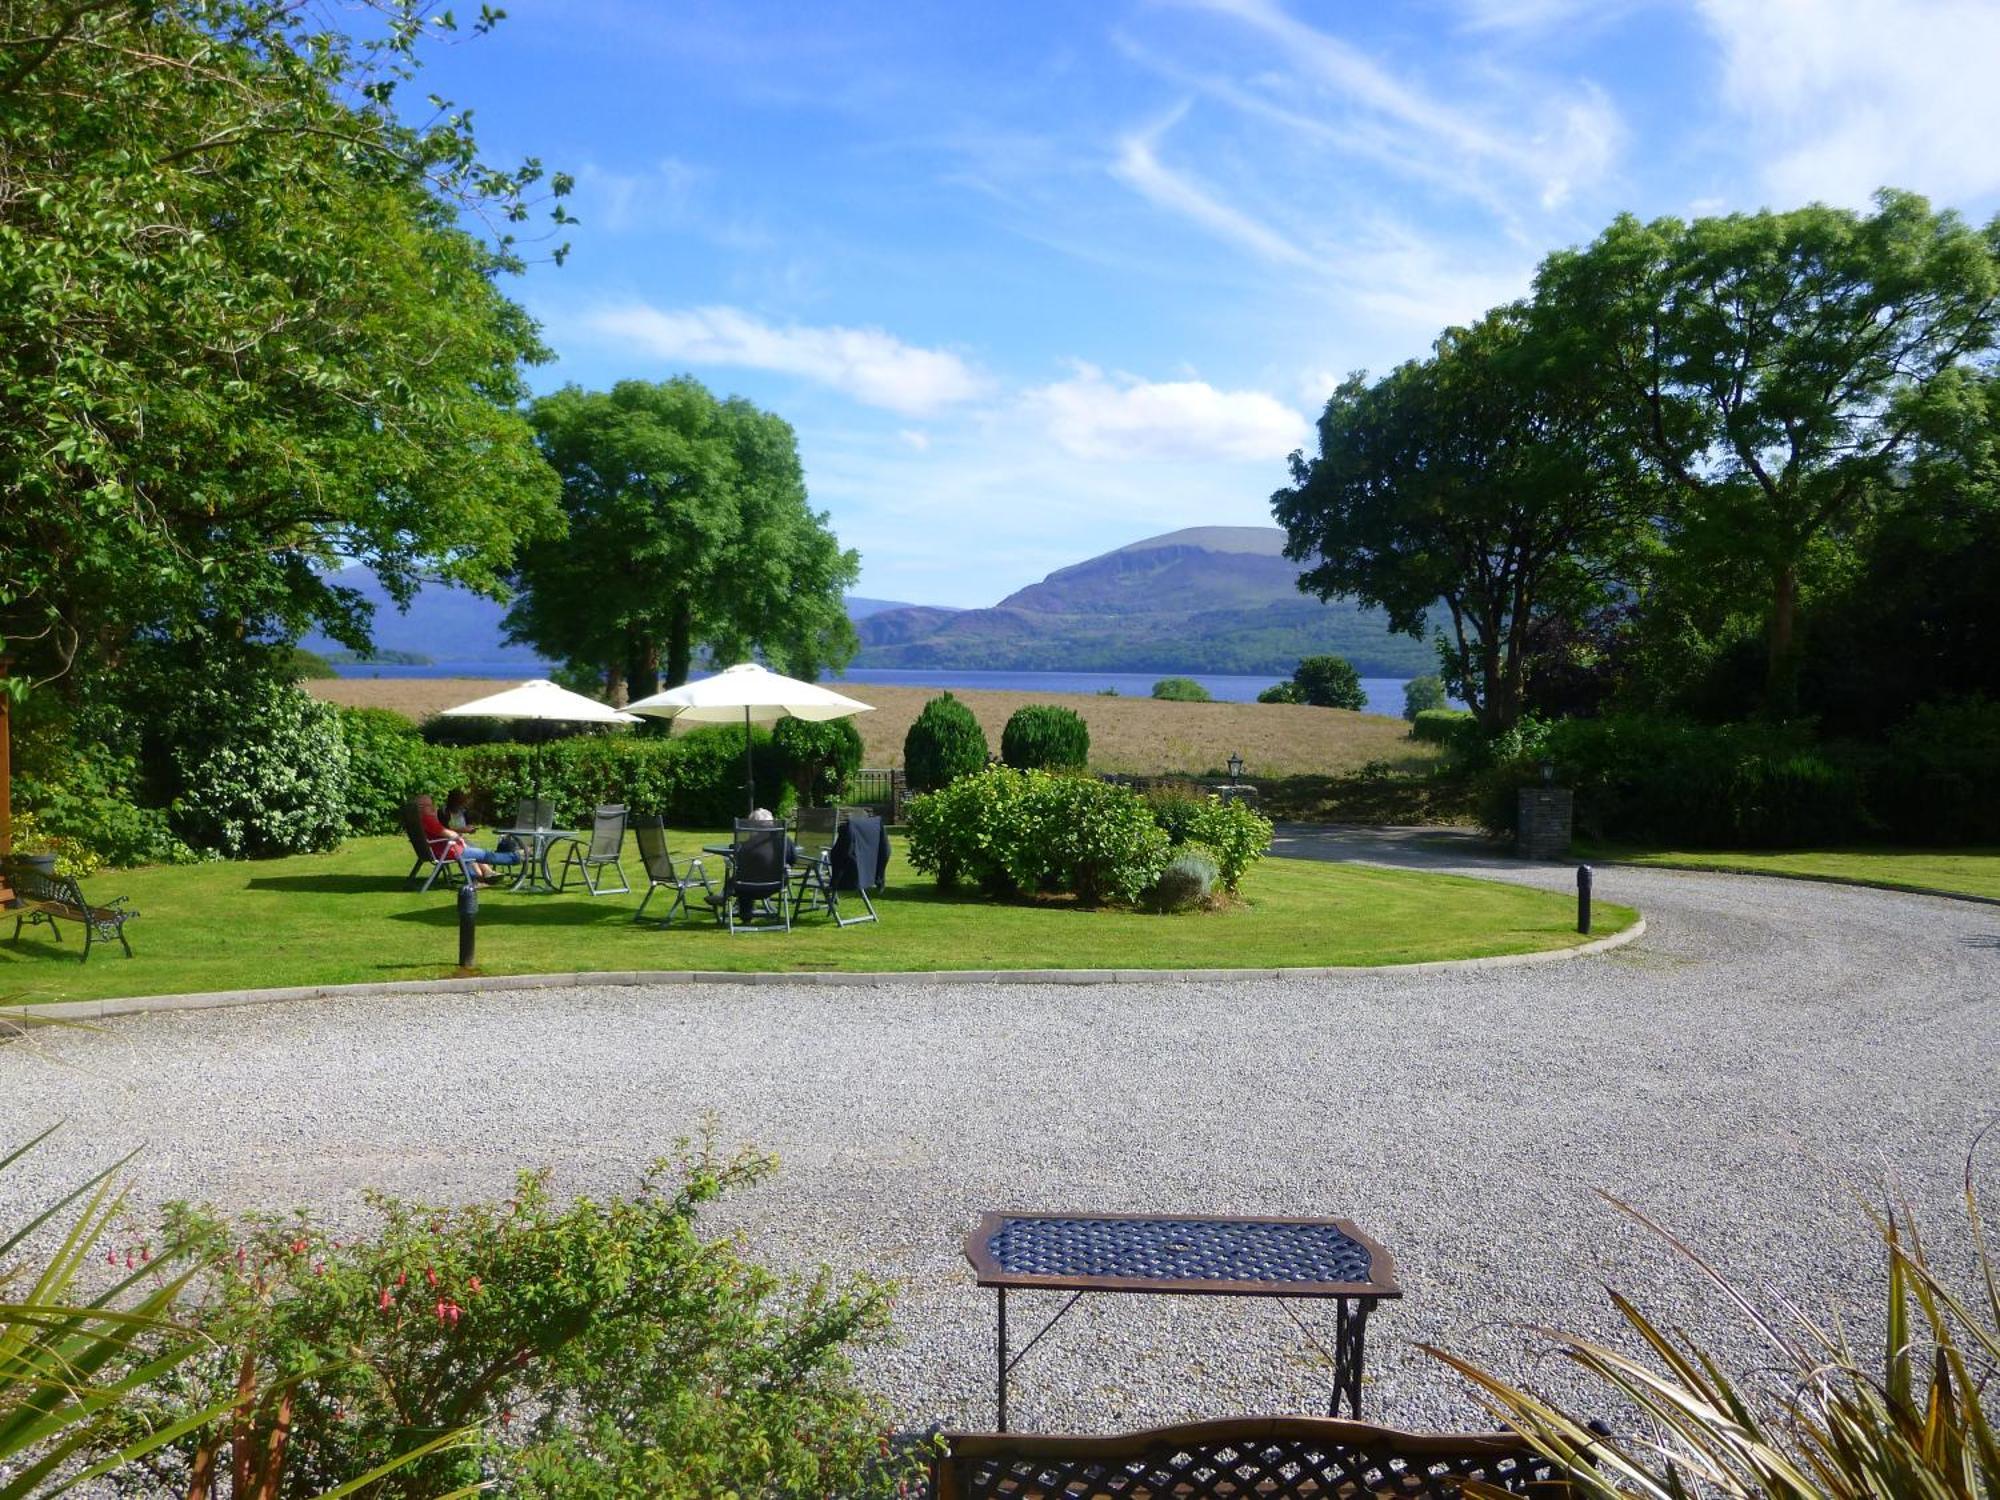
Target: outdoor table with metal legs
x,y
1185,1255
534,874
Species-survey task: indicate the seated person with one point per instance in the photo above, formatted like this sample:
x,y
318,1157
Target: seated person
x,y
448,843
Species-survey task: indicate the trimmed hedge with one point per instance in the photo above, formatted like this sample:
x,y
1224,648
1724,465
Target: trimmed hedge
x,y
1439,726
694,779
388,762
1045,737
943,744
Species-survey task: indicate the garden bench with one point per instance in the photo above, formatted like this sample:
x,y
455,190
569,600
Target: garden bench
x,y
1243,1458
43,896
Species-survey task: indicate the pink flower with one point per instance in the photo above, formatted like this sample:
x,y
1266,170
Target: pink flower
x,y
473,1286
440,1309
111,1258
430,1275
385,1301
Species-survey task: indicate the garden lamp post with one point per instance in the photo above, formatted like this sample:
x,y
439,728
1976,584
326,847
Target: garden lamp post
x,y
1235,768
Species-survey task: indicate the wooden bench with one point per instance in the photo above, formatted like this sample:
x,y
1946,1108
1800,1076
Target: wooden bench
x,y
41,896
1243,1458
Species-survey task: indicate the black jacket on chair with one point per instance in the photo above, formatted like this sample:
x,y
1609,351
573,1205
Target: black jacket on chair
x,y
860,855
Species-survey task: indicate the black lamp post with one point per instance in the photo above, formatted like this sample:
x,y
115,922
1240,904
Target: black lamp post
x,y
1235,768
1548,772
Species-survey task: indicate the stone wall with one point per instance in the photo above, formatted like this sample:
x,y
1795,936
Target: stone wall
x,y
1543,829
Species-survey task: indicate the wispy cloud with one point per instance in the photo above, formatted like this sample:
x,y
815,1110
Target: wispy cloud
x,y
867,364
1124,419
1139,167
1845,96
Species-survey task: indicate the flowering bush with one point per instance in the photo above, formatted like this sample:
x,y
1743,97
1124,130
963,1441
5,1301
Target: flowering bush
x,y
260,769
597,1348
1008,831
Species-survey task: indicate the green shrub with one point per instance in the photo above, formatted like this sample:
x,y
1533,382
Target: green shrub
x,y
819,756
85,799
1232,831
1940,781
1282,692
1648,780
1422,695
594,1347
1009,831
388,763
261,770
1440,726
692,780
943,744
1181,690
1330,682
73,857
1187,881
1043,737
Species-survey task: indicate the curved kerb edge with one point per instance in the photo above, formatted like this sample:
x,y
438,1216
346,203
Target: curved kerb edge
x,y
97,1010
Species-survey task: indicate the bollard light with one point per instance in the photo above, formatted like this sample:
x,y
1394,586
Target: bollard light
x,y
1583,899
468,924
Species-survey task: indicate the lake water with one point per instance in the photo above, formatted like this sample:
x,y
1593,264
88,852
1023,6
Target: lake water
x,y
1385,694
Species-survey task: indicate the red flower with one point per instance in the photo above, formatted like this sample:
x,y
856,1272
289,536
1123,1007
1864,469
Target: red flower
x,y
506,1416
402,1278
440,1309
473,1286
385,1301
430,1275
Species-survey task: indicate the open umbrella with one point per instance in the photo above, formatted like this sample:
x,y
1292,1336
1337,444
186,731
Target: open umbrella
x,y
753,694
539,700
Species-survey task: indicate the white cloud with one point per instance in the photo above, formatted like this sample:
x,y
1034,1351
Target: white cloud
x,y
867,364
1139,167
1845,96
1555,139
1096,417
915,440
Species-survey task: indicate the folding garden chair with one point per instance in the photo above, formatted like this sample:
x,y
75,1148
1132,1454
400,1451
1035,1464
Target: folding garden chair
x,y
812,859
755,896
607,839
661,873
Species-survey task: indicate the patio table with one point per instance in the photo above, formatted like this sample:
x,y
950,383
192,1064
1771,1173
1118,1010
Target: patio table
x,y
535,844
1188,1256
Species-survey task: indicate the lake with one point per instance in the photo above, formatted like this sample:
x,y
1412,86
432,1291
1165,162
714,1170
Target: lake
x,y
1385,694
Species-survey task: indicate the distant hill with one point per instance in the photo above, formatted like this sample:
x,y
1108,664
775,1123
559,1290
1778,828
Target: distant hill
x,y
1206,599
447,625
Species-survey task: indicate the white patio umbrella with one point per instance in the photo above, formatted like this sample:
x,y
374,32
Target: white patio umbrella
x,y
543,701
755,695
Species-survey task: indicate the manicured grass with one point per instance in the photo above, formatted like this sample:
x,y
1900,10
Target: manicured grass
x,y
1964,872
348,917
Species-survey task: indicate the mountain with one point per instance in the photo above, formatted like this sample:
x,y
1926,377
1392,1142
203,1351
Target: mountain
x,y
1206,599
451,625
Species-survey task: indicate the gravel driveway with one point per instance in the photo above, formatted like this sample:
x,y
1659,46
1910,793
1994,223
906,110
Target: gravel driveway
x,y
1766,1044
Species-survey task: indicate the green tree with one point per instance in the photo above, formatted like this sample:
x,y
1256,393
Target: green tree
x,y
1478,478
1421,694
1330,682
1780,373
1181,690
688,529
242,333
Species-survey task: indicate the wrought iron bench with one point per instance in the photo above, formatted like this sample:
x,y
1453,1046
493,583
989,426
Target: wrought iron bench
x,y
1243,1458
47,897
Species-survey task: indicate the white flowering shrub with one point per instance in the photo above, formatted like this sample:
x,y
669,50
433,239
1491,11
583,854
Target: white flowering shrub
x,y
262,770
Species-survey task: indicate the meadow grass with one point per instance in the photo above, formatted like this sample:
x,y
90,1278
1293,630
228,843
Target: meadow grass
x,y
1130,736
350,917
1963,872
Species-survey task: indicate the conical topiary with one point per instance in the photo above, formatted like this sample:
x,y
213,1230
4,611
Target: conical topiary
x,y
945,743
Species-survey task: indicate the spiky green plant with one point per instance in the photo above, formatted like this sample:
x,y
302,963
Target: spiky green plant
x,y
1834,1425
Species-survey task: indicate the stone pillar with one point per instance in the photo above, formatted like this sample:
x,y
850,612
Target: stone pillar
x,y
1543,828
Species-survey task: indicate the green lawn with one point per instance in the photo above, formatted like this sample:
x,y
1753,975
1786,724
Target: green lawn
x,y
348,916
1964,872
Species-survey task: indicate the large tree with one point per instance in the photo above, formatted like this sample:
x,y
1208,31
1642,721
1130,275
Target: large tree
x,y
689,529
243,333
1477,480
1780,373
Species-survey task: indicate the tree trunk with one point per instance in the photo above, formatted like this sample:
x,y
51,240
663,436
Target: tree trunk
x,y
1781,679
680,643
642,666
614,685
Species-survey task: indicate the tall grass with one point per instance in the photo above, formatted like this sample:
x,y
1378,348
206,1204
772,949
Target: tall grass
x,y
1825,1419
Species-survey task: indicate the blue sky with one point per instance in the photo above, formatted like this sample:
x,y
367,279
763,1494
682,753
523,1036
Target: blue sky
x,y
1035,280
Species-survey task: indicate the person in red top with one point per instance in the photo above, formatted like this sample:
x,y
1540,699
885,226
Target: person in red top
x,y
447,843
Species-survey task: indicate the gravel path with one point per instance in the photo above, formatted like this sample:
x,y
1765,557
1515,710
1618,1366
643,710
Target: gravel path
x,y
1765,1044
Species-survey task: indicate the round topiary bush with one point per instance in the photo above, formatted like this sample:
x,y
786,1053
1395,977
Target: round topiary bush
x,y
1045,737
1186,882
944,744
1181,690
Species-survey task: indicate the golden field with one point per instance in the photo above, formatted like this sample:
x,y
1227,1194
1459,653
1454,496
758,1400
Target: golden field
x,y
1139,736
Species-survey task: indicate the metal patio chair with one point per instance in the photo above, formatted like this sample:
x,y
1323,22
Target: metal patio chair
x,y
590,860
756,894
663,875
812,860
413,829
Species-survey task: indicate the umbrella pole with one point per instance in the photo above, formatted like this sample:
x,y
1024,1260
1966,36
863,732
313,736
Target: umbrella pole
x,y
749,769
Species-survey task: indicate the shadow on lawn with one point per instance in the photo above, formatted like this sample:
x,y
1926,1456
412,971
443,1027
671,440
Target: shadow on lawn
x,y
527,912
332,885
